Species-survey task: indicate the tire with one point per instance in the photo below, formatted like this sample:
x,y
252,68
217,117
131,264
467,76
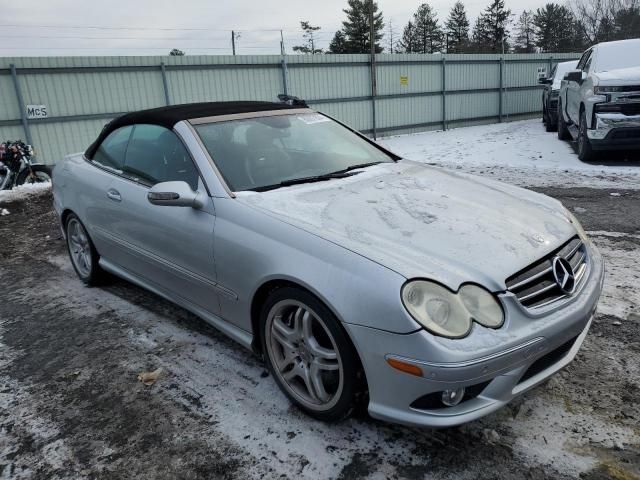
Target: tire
x,y
585,152
83,254
298,333
563,133
549,126
41,174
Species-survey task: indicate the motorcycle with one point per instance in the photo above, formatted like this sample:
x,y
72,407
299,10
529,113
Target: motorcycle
x,y
17,167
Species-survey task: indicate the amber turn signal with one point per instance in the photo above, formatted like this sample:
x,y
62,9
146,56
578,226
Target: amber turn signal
x,y
404,367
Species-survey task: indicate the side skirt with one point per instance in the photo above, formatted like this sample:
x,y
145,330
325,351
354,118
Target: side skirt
x,y
243,337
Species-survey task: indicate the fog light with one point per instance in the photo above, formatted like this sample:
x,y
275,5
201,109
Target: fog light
x,y
451,398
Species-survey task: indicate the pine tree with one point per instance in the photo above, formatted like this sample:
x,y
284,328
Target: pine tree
x,y
491,31
429,36
408,42
627,22
525,37
339,43
310,41
393,43
555,28
356,26
457,29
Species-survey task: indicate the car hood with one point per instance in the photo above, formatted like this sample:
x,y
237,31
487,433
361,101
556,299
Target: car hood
x,y
426,222
622,76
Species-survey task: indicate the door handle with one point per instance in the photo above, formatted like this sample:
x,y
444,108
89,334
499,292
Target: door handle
x,y
114,195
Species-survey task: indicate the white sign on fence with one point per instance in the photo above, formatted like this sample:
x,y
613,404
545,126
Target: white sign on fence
x,y
37,111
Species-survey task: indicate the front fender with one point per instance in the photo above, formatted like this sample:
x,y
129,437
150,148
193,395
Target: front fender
x,y
252,248
589,103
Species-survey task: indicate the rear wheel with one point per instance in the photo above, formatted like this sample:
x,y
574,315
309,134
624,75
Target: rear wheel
x,y
37,174
309,354
83,254
585,152
563,133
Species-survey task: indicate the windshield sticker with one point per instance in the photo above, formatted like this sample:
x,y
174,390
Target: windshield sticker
x,y
312,118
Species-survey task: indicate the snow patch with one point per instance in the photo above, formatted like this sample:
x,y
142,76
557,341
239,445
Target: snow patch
x,y
23,192
520,153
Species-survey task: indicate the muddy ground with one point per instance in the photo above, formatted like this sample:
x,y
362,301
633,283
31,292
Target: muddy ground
x,y
71,405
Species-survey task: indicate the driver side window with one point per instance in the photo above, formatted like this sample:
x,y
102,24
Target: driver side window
x,y
155,154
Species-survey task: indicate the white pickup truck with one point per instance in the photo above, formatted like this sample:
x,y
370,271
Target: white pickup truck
x,y
599,104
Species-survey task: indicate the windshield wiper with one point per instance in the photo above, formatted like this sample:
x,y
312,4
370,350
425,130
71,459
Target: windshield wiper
x,y
314,178
355,167
345,172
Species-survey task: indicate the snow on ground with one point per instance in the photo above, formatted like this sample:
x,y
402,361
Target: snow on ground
x,y
522,153
22,192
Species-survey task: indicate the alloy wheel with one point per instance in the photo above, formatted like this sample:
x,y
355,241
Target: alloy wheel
x,y
304,355
79,247
582,136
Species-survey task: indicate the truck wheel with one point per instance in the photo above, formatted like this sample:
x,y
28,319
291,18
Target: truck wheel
x,y
548,124
563,133
585,152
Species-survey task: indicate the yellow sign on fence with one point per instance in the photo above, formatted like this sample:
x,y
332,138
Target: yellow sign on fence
x,y
404,80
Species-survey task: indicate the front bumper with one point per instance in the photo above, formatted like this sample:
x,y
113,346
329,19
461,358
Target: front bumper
x,y
615,131
551,342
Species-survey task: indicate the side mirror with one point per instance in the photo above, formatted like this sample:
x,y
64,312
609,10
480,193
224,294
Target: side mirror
x,y
545,81
574,76
175,194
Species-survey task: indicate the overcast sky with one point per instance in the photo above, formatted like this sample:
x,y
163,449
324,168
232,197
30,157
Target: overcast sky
x,y
153,27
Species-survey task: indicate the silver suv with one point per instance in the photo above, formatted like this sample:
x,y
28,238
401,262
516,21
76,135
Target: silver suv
x,y
599,102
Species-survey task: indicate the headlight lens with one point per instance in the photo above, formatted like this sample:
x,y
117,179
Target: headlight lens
x,y
447,314
608,89
482,305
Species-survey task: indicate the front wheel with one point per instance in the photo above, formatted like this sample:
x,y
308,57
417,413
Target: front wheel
x,y
585,152
563,133
310,355
83,254
35,174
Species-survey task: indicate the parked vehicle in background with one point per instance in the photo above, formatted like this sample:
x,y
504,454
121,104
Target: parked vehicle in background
x,y
599,103
357,275
17,168
551,91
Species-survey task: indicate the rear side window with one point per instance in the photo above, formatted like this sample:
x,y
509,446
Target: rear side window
x,y
112,150
156,154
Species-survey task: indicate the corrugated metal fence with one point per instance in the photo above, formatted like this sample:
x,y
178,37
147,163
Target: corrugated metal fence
x,y
414,92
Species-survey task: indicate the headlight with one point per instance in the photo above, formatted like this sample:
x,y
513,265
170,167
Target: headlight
x,y
482,305
601,90
448,314
574,221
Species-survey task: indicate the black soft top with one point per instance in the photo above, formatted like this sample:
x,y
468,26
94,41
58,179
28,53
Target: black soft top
x,y
168,116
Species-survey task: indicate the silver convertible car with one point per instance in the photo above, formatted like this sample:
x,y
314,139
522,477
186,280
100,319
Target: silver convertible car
x,y
430,297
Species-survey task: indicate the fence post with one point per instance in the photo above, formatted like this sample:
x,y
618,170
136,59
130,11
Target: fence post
x,y
550,65
21,105
444,94
165,85
373,94
285,75
501,89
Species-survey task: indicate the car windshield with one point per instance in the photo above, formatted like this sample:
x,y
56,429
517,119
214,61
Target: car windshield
x,y
263,152
618,55
561,70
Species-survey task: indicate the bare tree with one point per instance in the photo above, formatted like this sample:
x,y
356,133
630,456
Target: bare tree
x,y
595,18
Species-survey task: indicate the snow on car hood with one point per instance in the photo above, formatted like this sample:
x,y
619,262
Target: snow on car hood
x,y
427,222
621,76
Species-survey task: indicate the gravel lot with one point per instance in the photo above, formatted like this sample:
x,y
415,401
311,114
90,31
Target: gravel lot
x,y
71,405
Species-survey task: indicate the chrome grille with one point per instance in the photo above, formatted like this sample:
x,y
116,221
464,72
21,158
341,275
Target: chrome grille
x,y
535,286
